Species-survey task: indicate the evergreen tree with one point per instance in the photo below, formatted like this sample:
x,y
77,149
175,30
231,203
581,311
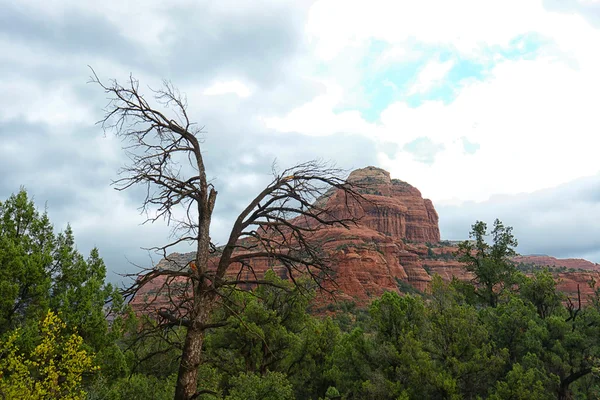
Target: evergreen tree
x,y
490,264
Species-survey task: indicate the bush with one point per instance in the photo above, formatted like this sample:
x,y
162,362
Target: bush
x,y
53,370
271,386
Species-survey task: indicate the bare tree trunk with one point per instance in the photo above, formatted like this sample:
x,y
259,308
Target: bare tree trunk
x,y
279,224
191,357
187,378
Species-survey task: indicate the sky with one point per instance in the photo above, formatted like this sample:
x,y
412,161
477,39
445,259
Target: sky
x,y
490,108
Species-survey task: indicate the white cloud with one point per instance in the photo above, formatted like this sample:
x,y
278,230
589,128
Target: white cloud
x,y
229,87
431,75
534,119
397,53
464,24
54,104
317,117
535,123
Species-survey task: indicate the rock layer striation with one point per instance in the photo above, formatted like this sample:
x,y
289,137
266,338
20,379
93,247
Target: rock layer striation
x,y
395,246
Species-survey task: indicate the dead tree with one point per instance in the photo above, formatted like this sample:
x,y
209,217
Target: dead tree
x,y
280,224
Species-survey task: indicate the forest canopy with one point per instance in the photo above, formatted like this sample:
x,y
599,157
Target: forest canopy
x,y
502,336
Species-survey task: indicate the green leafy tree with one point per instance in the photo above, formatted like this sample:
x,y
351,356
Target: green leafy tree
x,y
40,270
312,358
269,330
385,359
26,248
53,370
529,381
332,393
573,348
144,350
79,292
262,329
400,327
134,387
540,290
271,386
460,344
514,325
354,364
490,264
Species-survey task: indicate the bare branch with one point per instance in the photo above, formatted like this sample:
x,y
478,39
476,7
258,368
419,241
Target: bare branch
x,y
280,227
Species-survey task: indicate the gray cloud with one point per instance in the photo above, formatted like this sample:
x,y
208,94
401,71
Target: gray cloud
x,y
205,43
69,165
561,221
76,32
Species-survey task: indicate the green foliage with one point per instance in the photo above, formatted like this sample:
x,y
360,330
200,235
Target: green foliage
x,y
53,370
515,326
271,386
456,343
505,335
529,382
262,330
41,271
393,316
332,393
531,268
134,387
541,291
491,265
148,350
269,331
406,287
26,257
461,343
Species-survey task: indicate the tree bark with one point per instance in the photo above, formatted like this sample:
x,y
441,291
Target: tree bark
x,y
187,379
191,357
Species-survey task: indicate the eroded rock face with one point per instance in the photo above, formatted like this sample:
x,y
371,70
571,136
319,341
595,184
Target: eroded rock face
x,y
395,246
394,207
381,253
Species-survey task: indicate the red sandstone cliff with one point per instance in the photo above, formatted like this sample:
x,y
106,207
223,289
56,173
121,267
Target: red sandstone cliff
x,y
572,274
395,247
394,208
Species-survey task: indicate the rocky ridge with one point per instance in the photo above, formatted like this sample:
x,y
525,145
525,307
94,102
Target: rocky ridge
x,y
395,247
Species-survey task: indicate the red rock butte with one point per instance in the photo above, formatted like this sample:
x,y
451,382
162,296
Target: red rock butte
x,y
394,247
394,207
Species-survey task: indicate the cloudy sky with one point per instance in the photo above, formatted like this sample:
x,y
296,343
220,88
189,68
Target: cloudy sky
x,y
490,108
